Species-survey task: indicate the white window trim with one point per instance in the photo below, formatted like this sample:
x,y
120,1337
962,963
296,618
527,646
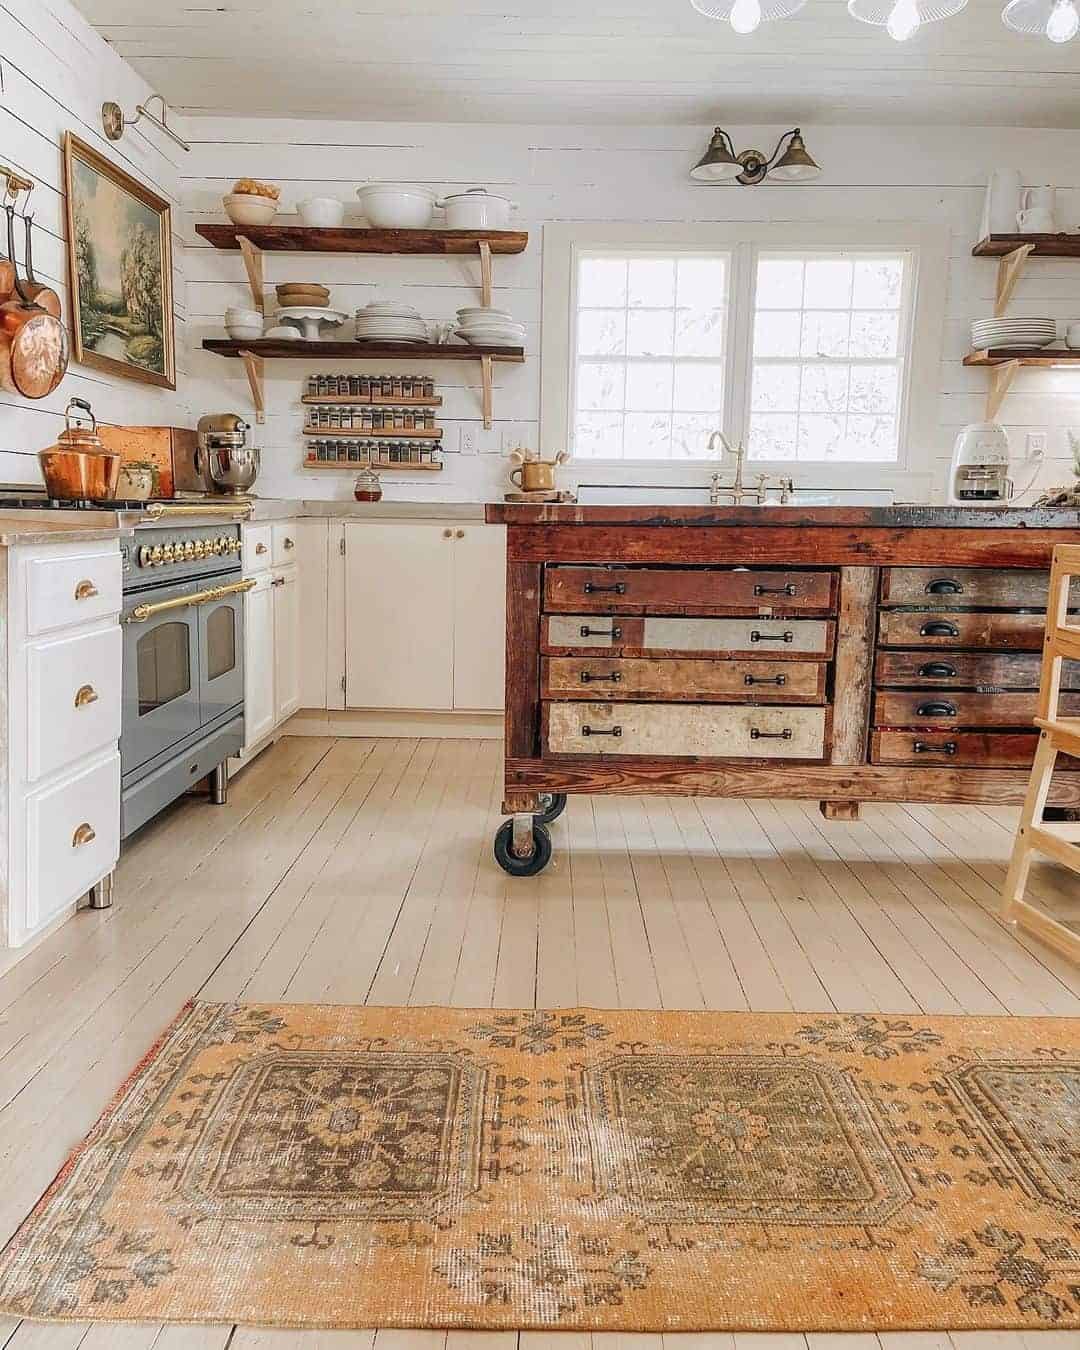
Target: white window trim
x,y
911,476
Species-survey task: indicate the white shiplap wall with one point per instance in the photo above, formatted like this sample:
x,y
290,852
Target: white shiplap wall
x,y
55,72
614,173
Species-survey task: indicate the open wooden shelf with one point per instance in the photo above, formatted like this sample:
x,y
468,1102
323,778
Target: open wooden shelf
x,y
355,401
351,350
1042,245
389,434
353,239
1024,356
354,466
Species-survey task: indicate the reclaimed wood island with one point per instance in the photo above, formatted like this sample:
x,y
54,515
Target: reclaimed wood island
x,y
841,654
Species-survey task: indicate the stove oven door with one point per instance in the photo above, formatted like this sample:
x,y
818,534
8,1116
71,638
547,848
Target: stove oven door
x,y
162,699
221,644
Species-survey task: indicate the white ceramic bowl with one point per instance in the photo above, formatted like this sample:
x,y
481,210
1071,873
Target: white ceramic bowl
x,y
479,314
243,316
247,208
321,212
396,206
282,332
477,209
244,332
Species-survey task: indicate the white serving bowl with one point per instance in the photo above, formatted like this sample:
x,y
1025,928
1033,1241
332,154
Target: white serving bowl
x,y
283,332
324,213
479,337
396,206
479,314
247,208
244,332
243,316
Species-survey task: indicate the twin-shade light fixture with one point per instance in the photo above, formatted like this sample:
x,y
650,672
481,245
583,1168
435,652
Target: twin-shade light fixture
x,y
1057,20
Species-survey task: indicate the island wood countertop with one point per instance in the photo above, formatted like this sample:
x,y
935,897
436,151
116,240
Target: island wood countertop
x,y
789,517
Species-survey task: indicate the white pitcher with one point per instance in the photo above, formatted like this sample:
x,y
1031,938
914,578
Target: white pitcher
x,y
1002,203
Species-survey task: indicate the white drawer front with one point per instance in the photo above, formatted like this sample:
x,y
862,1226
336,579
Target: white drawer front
x,y
62,592
258,542
703,730
74,699
723,635
72,838
285,541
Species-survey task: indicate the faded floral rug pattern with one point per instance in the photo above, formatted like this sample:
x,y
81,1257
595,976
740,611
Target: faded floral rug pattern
x,y
424,1167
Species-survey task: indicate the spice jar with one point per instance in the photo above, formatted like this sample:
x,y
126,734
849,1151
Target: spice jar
x,y
367,487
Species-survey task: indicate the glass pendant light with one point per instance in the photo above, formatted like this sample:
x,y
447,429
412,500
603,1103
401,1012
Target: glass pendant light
x,y
902,19
747,15
1057,20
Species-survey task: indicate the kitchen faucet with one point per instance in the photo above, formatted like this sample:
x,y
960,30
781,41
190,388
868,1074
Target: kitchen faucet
x,y
759,495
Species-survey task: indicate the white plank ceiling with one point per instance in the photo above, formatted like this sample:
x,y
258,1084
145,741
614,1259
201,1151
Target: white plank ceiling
x,y
631,62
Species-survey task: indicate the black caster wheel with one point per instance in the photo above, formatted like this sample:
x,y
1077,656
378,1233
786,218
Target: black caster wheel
x,y
552,805
508,859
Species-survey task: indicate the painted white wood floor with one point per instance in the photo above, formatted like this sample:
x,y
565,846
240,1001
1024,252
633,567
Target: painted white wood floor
x,y
360,871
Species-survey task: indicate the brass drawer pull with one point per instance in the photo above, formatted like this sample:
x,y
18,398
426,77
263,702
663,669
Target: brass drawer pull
x,y
944,586
939,709
85,695
594,731
925,748
618,589
85,590
588,678
939,629
778,680
756,735
289,543
789,589
84,834
586,631
937,670
757,636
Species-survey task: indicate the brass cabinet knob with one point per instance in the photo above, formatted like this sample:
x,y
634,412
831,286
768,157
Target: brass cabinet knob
x,y
85,695
448,534
84,834
460,534
85,590
289,543
260,549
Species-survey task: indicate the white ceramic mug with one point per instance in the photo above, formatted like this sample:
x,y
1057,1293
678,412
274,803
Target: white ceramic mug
x,y
1072,336
1035,220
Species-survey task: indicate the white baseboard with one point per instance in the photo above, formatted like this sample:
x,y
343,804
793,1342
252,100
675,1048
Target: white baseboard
x,y
422,725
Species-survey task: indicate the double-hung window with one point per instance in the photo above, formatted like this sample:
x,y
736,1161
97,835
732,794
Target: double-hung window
x,y
821,356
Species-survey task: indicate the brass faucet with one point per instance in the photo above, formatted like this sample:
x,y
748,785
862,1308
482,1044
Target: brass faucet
x,y
759,495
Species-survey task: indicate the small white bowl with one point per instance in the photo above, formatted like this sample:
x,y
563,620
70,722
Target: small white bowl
x,y
283,331
243,316
324,213
244,332
248,208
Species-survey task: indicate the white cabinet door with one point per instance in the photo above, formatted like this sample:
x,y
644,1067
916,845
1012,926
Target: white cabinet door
x,y
479,617
399,615
285,589
259,705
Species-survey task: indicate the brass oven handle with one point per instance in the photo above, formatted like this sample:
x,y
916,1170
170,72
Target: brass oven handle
x,y
84,834
85,590
141,613
85,695
159,510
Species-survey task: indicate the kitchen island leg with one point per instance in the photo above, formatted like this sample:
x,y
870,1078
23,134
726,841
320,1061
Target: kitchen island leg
x,y
854,676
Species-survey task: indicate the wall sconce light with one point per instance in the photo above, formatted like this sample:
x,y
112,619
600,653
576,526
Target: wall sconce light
x,y
790,162
114,122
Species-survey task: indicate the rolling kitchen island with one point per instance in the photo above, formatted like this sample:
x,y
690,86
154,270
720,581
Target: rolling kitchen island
x,y
841,654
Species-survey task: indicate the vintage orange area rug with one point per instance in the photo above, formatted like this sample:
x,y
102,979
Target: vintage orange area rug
x,y
302,1166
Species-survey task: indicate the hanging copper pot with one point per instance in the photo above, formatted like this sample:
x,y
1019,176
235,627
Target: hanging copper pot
x,y
37,291
33,342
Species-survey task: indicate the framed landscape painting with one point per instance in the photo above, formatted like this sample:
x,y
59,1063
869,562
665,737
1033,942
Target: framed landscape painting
x,y
120,265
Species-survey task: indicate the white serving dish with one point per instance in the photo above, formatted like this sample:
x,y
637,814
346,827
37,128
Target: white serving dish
x,y
477,209
479,338
244,332
283,332
247,208
478,312
396,206
311,319
324,213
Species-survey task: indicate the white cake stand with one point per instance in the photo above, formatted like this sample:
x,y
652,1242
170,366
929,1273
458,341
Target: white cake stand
x,y
311,319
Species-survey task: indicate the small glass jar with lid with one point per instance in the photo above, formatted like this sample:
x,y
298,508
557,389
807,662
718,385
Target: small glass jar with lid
x,y
367,487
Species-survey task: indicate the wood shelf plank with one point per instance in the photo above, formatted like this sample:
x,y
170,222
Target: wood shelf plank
x,y
293,349
354,401
390,434
353,466
1043,245
352,239
1024,356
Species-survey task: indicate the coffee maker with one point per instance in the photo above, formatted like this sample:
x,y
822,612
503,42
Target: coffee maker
x,y
978,475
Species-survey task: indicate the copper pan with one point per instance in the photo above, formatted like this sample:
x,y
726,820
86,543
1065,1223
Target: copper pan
x,y
33,342
37,291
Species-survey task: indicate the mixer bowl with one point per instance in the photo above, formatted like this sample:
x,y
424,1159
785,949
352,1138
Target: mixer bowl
x,y
233,468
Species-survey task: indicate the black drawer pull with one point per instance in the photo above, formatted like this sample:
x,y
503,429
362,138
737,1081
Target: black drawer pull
x,y
925,748
594,731
756,735
937,670
939,629
939,709
944,586
756,636
586,631
789,589
588,678
618,589
779,680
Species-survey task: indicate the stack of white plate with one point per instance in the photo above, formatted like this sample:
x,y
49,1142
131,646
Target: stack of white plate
x,y
385,322
1012,333
489,327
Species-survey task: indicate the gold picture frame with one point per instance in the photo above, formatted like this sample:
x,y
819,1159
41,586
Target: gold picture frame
x,y
119,243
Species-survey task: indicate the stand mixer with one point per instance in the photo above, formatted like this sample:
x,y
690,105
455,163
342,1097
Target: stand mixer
x,y
224,456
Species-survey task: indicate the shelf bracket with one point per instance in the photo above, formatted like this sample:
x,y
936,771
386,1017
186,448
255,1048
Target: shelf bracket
x,y
485,273
253,367
487,375
1001,377
1009,270
253,265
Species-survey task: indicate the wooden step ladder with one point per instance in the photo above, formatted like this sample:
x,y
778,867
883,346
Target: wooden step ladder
x,y
1054,839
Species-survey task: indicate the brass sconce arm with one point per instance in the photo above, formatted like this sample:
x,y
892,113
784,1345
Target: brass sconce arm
x,y
115,123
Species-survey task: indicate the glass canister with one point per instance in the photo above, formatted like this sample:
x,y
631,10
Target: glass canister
x,y
367,487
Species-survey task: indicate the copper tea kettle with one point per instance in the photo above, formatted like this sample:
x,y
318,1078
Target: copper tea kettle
x,y
79,467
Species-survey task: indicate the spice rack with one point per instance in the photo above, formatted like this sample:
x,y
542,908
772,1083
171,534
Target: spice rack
x,y
372,421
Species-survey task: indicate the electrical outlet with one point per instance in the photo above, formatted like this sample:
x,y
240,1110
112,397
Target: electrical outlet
x,y
1036,445
467,443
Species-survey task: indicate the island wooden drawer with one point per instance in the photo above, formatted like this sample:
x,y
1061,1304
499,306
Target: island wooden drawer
x,y
955,749
972,670
900,628
601,590
961,587
962,709
774,639
702,731
673,680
